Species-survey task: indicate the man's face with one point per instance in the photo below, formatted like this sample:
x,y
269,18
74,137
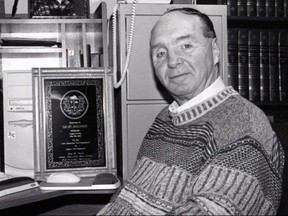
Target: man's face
x,y
183,59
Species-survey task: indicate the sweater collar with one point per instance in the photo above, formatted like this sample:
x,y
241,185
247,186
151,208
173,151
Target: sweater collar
x,y
217,86
201,108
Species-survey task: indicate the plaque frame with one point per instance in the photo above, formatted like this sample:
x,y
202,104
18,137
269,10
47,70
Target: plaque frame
x,y
50,83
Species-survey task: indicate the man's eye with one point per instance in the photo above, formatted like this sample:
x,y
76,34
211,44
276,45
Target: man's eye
x,y
160,54
187,46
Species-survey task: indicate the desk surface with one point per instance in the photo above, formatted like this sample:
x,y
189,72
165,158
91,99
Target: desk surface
x,y
36,195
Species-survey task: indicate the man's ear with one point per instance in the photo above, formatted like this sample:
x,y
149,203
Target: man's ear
x,y
216,51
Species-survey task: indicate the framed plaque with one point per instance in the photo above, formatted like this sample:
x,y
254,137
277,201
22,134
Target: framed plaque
x,y
74,119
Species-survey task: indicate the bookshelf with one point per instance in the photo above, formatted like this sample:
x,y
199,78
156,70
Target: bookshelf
x,y
258,68
73,35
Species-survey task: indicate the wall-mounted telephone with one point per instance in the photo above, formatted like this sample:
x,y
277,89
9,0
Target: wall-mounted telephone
x,y
117,83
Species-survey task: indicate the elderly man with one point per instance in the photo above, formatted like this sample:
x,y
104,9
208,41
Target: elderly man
x,y
211,152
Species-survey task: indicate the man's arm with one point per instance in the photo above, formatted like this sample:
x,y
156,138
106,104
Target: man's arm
x,y
238,179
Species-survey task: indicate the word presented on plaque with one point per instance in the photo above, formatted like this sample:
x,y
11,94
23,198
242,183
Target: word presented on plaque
x,y
74,123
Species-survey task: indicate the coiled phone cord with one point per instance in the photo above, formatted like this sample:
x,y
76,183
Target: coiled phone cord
x,y
130,41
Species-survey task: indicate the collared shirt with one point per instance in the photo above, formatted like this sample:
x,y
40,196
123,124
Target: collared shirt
x,y
213,89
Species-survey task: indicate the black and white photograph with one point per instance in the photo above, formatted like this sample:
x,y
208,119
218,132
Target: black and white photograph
x,y
144,107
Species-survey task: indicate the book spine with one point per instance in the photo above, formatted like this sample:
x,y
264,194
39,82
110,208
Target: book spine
x,y
261,8
283,66
233,58
243,85
285,8
270,8
231,7
279,8
242,7
251,8
264,66
254,65
88,55
273,66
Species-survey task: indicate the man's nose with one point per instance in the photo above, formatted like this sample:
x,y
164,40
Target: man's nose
x,y
174,60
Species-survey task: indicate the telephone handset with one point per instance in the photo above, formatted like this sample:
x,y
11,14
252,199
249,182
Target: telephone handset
x,y
117,83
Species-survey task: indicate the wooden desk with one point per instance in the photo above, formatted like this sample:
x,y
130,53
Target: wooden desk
x,y
39,202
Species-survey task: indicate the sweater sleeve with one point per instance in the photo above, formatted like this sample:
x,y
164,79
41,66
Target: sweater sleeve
x,y
239,179
265,135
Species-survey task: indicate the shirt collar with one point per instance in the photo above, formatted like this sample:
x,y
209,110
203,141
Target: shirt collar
x,y
217,86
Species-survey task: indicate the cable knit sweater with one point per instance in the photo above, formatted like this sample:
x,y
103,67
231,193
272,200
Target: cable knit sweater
x,y
219,157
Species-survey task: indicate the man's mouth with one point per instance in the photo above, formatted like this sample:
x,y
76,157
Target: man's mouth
x,y
175,76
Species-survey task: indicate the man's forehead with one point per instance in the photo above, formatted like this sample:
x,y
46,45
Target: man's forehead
x,y
176,23
177,15
176,20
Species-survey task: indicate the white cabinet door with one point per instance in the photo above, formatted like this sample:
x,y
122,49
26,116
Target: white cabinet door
x,y
140,118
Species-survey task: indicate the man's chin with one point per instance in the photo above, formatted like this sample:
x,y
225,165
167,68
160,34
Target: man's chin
x,y
183,92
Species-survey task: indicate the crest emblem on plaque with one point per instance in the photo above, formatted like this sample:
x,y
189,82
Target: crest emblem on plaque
x,y
74,104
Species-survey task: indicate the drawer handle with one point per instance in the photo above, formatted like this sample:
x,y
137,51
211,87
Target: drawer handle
x,y
21,123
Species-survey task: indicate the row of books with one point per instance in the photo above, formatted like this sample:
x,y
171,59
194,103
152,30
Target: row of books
x,y
258,65
260,8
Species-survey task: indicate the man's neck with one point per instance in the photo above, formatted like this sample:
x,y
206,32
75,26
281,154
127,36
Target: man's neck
x,y
185,98
217,86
